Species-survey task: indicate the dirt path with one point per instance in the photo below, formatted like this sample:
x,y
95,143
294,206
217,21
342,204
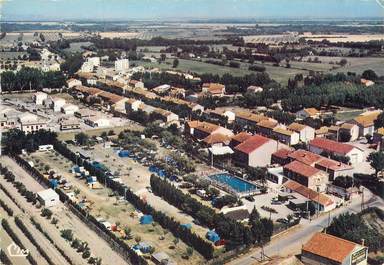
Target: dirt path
x,y
99,247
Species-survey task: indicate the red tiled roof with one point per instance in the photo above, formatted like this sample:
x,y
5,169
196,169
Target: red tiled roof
x,y
333,165
331,146
252,144
282,153
242,137
330,247
308,193
216,138
305,157
301,169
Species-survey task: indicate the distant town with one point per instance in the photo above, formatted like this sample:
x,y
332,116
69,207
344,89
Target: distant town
x,y
192,143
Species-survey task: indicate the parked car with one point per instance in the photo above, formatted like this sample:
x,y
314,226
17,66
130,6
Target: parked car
x,y
250,198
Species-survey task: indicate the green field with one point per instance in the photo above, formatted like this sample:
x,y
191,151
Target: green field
x,y
348,114
280,74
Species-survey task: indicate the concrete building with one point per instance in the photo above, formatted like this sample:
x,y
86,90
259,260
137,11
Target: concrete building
x,y
95,61
239,138
365,122
39,98
306,175
214,89
73,82
249,119
256,151
320,145
122,65
87,67
69,124
265,127
201,130
28,126
308,113
321,202
286,136
325,249
48,198
132,105
69,109
97,121
306,133
136,84
351,129
57,104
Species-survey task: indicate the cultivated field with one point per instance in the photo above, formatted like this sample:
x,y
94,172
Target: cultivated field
x,y
344,37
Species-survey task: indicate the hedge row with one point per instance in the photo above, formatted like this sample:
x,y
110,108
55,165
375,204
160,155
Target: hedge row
x,y
6,208
16,240
62,252
28,234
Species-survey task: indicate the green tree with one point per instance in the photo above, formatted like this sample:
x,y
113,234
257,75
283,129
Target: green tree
x,y
376,160
82,138
370,75
175,63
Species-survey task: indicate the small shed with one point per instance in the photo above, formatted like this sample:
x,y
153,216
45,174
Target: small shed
x,y
48,197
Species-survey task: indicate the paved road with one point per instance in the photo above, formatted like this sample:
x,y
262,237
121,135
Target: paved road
x,y
291,242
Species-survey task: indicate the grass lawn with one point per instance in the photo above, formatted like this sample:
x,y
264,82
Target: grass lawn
x,y
348,114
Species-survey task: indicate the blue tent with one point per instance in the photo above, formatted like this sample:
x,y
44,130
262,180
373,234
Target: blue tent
x,y
53,183
212,236
146,219
76,169
124,153
161,173
153,169
188,226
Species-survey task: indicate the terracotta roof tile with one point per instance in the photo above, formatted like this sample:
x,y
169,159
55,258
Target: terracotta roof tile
x,y
331,146
282,153
301,169
330,247
270,124
305,157
241,137
296,127
367,120
216,138
308,193
252,144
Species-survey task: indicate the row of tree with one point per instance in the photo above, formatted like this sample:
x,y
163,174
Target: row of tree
x,y
16,140
31,78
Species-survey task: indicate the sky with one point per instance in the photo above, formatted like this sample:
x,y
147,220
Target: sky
x,y
186,9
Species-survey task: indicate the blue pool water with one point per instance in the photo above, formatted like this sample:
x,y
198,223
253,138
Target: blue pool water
x,y
233,182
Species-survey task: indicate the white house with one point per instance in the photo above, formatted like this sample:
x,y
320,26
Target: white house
x,y
320,145
87,67
254,89
286,136
48,198
69,109
57,104
121,65
132,104
95,61
306,133
308,113
73,82
39,98
97,122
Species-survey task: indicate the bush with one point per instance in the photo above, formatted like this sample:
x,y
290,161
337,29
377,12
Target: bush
x,y
256,68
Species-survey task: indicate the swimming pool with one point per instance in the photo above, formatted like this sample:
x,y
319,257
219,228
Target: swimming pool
x,y
234,183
